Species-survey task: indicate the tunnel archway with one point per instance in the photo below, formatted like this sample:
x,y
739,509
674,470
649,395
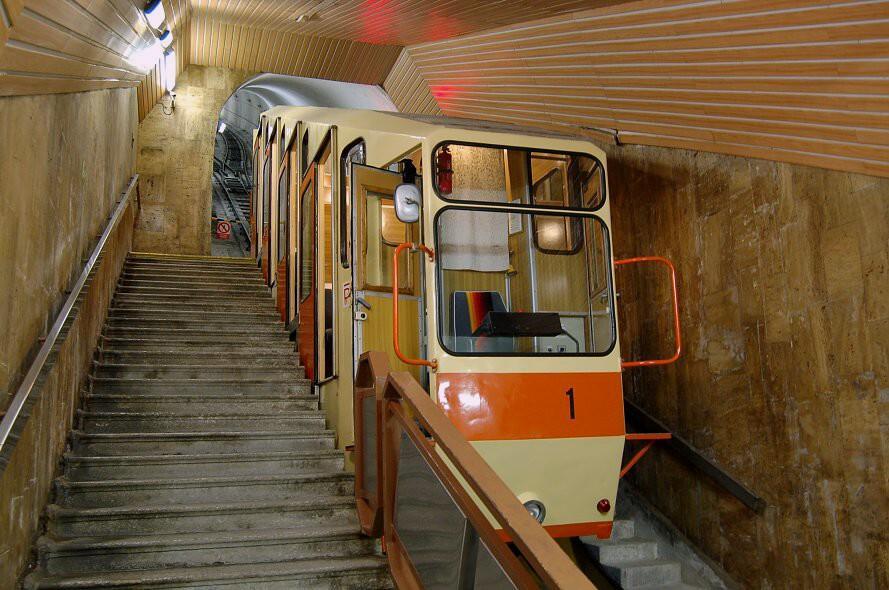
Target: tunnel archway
x,y
239,116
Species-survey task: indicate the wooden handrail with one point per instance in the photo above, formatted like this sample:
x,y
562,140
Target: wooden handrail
x,y
405,408
547,559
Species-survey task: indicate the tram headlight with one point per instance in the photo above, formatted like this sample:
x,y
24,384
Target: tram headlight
x,y
536,509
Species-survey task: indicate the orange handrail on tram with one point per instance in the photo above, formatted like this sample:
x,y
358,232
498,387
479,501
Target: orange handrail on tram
x,y
433,364
676,324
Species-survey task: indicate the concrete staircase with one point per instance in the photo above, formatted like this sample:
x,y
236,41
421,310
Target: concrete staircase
x,y
633,562
646,552
201,459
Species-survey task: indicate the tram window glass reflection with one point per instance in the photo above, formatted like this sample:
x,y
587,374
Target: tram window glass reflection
x,y
283,205
357,154
484,174
500,294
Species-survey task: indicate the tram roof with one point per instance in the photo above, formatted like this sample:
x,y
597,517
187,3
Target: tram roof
x,y
419,126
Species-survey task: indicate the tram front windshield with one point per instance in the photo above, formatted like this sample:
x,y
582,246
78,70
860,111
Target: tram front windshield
x,y
519,282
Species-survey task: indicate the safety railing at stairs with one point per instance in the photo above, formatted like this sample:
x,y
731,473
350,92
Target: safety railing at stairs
x,y
425,489
17,409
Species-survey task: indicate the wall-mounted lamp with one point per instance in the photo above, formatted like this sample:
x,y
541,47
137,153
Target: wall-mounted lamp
x,y
166,39
154,12
170,70
221,127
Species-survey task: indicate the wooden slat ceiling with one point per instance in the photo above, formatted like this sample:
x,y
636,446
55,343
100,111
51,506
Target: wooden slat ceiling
x,y
803,81
387,22
215,43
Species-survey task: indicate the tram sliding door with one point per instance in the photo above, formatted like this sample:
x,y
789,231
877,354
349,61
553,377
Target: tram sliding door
x,y
377,233
307,327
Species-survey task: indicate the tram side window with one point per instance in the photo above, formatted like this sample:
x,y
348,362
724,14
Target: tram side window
x,y
283,204
482,174
356,153
501,294
306,244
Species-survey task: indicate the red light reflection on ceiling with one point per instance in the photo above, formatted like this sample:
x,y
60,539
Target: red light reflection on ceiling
x,y
380,22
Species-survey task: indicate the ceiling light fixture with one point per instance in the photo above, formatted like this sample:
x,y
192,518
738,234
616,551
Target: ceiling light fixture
x,y
166,39
154,12
170,70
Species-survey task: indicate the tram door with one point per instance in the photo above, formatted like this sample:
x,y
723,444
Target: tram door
x,y
307,326
377,233
283,243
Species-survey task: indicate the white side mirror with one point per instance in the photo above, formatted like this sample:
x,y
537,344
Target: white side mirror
x,y
407,203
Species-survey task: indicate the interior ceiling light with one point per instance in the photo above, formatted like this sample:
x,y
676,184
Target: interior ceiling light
x,y
221,127
146,58
166,39
154,12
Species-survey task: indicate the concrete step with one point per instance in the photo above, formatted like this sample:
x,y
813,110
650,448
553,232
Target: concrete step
x,y
95,494
191,293
140,270
65,523
259,334
345,573
206,372
167,422
134,314
212,321
215,289
616,551
209,283
164,303
252,278
151,443
90,468
188,345
235,403
185,259
644,573
208,386
88,555
236,356
621,528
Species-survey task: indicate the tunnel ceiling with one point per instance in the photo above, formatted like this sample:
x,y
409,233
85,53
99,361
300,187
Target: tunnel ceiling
x,y
801,81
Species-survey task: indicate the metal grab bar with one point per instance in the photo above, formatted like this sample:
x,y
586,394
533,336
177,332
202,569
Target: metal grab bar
x,y
433,364
27,385
676,324
650,438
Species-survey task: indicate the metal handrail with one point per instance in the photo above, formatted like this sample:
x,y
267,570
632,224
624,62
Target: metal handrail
x,y
27,386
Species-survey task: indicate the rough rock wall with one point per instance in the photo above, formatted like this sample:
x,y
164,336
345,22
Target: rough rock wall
x,y
175,161
64,160
784,286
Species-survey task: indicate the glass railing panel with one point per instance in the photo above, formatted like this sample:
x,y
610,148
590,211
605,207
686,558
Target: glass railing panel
x,y
369,442
429,524
488,573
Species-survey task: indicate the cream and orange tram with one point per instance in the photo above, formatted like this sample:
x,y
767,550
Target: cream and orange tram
x,y
505,300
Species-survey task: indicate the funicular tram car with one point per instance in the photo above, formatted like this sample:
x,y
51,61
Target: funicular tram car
x,y
510,323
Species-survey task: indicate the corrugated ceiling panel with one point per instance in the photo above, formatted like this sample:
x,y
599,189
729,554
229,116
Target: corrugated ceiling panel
x,y
788,80
394,22
243,48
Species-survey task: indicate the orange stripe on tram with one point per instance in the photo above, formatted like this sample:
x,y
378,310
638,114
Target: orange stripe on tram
x,y
519,406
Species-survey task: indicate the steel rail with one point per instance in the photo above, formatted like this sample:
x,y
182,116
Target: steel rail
x,y
30,380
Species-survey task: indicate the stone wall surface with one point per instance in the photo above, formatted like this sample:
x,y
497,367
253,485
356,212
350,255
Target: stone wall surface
x,y
64,161
784,382
175,162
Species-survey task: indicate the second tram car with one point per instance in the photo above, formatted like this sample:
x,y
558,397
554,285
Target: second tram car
x,y
504,299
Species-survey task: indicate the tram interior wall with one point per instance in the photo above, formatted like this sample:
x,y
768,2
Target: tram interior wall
x,y
784,287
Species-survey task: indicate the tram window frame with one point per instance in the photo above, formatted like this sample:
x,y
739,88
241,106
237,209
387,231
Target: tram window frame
x,y
603,184
346,198
443,300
